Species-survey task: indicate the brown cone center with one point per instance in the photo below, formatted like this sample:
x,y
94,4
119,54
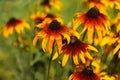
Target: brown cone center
x,y
93,13
54,25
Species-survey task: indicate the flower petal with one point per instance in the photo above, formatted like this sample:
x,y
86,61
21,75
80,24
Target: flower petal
x,y
59,42
65,59
55,56
92,48
67,37
44,42
116,48
81,55
75,59
88,55
41,33
50,45
90,34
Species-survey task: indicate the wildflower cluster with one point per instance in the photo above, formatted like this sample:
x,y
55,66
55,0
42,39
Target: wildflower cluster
x,y
89,43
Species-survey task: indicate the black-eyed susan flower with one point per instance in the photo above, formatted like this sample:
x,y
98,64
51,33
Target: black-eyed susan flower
x,y
38,18
94,22
78,49
95,71
86,73
100,69
116,22
114,42
42,18
53,31
110,3
96,3
15,24
49,3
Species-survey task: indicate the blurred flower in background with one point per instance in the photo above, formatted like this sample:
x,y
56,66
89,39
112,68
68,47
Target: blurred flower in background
x,y
15,24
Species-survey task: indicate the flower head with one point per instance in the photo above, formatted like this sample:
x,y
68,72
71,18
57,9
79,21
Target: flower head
x,y
77,48
49,3
114,42
94,21
42,18
96,3
54,31
15,24
110,3
84,74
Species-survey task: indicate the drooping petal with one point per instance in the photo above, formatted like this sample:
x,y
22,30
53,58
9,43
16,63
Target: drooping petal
x,y
65,59
87,54
92,48
71,77
55,56
83,30
44,42
41,33
82,57
58,39
116,48
75,59
90,34
50,44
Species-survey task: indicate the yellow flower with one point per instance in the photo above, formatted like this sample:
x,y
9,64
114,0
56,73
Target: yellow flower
x,y
49,3
99,5
93,72
110,3
15,24
42,18
112,39
100,68
54,31
93,21
116,21
86,73
78,50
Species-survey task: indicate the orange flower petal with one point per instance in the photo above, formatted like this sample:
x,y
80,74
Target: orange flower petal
x,y
41,33
50,44
44,42
59,44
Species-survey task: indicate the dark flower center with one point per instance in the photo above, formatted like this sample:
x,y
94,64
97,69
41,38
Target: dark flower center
x,y
13,22
88,71
94,0
73,40
54,25
50,16
46,2
93,13
38,20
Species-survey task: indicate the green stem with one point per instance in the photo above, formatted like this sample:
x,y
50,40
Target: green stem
x,y
49,66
